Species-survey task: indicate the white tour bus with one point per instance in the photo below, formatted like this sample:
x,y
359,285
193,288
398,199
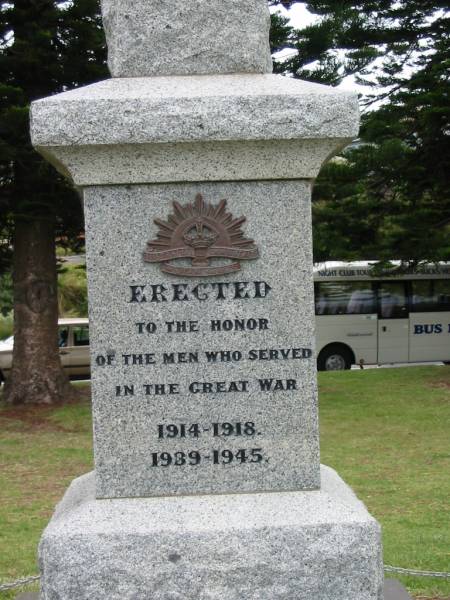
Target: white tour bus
x,y
390,318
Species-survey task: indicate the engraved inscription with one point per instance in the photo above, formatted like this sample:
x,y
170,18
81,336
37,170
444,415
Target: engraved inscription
x,y
216,457
195,430
235,440
183,292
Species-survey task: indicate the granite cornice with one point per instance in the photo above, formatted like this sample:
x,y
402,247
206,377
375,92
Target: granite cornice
x,y
191,123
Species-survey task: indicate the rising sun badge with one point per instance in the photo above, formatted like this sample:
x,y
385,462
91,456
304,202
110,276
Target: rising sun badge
x,y
200,232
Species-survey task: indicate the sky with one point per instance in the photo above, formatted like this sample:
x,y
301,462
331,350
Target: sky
x,y
300,16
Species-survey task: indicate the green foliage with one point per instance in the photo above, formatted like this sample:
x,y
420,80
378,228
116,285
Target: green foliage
x,y
6,294
72,291
367,206
388,198
6,325
64,249
46,47
308,45
280,32
6,306
5,238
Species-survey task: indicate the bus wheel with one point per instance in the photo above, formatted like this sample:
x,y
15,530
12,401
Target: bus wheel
x,y
335,358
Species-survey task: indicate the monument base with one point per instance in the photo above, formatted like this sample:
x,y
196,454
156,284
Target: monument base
x,y
393,590
317,545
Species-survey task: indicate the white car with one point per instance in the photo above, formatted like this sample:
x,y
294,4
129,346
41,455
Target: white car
x,y
73,340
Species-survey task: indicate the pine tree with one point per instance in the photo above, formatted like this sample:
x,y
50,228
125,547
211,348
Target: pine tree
x,y
390,196
46,47
308,46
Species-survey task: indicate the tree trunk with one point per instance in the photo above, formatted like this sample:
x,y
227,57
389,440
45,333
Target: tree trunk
x,y
37,376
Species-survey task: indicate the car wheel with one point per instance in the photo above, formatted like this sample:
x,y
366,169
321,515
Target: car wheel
x,y
335,358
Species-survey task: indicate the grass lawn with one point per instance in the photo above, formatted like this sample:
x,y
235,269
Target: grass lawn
x,y
387,432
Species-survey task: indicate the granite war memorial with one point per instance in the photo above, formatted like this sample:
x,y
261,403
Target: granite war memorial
x,y
196,166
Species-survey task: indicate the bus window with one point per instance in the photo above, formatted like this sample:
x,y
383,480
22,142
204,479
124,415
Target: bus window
x,y
422,296
345,298
442,295
430,296
392,300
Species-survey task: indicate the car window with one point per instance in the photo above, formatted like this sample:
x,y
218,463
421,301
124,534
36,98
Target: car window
x,y
63,337
81,335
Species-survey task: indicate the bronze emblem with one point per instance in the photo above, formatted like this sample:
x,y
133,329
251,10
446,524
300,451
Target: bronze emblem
x,y
200,232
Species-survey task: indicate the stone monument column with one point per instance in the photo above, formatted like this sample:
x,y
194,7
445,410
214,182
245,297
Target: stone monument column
x,y
196,166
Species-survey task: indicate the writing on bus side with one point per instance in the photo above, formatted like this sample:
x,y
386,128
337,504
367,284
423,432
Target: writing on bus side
x,y
433,328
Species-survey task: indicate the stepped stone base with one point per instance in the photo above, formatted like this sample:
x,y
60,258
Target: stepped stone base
x,y
393,590
320,545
